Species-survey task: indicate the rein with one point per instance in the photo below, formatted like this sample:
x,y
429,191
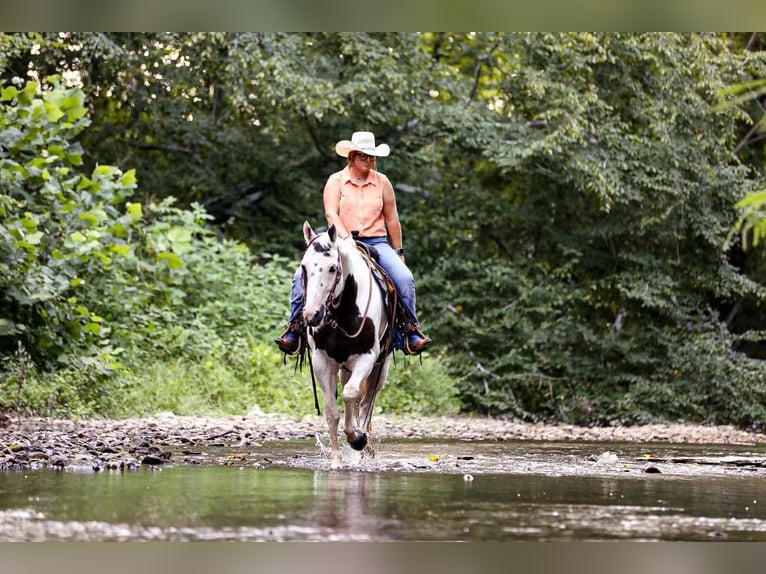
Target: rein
x,y
328,303
333,323
385,348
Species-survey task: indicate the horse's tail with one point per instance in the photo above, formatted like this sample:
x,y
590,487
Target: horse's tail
x,y
369,390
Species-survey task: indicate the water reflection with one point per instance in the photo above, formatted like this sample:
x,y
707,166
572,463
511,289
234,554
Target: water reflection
x,y
352,504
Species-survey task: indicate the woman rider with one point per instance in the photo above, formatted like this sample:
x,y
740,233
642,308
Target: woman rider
x,y
360,201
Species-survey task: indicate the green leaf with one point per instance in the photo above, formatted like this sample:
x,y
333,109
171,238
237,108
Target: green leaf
x,y
27,246
29,224
26,96
104,258
54,112
75,159
123,250
180,238
105,170
85,182
135,210
129,178
89,217
34,238
173,260
9,93
756,199
74,106
94,328
56,150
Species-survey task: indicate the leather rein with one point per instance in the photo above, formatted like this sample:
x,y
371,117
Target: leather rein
x,y
334,324
331,298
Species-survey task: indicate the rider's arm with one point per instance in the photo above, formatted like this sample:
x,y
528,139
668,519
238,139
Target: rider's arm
x,y
332,205
391,215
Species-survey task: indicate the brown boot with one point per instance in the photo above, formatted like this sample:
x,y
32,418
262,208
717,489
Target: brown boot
x,y
289,342
416,342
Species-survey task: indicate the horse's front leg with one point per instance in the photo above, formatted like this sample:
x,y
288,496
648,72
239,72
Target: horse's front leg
x,y
355,436
327,374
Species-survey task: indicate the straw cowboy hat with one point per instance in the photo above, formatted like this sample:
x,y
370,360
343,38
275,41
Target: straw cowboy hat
x,y
363,142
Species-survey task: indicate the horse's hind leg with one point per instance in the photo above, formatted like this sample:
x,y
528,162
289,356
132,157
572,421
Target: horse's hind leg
x,y
370,389
364,416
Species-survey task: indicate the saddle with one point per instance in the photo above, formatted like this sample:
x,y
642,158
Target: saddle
x,y
398,317
398,314
390,298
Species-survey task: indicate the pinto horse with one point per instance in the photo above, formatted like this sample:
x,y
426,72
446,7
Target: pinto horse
x,y
349,332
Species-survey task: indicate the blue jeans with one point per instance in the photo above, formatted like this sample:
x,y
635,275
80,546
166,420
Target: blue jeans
x,y
390,261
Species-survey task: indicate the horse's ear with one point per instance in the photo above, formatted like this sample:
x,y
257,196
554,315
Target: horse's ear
x,y
332,232
308,233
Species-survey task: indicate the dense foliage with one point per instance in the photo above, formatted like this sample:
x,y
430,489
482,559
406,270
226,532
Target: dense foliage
x,y
566,201
119,305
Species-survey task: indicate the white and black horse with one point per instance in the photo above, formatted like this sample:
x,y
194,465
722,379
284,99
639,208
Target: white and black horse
x,y
349,332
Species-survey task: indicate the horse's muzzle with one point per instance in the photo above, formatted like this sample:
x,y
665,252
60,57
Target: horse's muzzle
x,y
315,319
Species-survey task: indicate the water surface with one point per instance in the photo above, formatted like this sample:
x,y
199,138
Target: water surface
x,y
413,490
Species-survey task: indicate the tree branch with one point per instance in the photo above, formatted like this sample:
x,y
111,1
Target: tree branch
x,y
477,70
171,149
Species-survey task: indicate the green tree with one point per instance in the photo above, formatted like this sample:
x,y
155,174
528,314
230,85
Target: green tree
x,y
91,282
583,230
59,226
565,197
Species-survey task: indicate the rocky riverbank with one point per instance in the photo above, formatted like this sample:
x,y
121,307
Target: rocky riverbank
x,y
102,444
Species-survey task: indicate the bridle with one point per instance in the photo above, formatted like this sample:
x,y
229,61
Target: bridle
x,y
330,302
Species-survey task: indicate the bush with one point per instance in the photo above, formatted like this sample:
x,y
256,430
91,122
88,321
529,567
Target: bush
x,y
705,381
73,391
419,389
119,308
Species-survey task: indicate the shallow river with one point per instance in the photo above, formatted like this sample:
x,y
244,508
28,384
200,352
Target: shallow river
x,y
413,491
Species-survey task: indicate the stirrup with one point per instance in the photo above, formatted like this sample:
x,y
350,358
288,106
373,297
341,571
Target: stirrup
x,y
285,345
426,341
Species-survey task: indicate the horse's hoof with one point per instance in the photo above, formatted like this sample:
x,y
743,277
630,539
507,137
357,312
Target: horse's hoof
x,y
357,440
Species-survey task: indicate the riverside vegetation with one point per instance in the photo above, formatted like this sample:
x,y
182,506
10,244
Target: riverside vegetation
x,y
118,308
567,199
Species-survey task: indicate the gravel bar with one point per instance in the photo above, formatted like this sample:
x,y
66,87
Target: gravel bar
x,y
126,444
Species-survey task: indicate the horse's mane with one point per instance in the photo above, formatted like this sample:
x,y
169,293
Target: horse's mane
x,y
346,245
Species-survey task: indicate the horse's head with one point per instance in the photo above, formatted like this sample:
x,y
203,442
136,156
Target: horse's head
x,y
322,272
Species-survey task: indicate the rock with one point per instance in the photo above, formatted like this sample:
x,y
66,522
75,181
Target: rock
x,y
87,442
255,411
153,460
607,458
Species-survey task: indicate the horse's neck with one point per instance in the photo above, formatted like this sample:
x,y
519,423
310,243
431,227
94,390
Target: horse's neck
x,y
354,263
